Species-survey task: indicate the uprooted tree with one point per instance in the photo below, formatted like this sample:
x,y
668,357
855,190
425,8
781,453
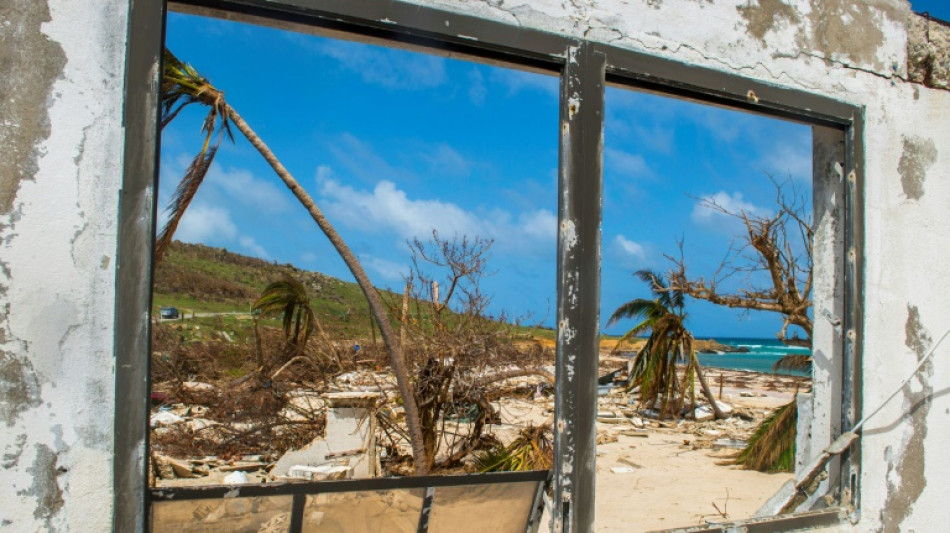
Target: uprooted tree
x,y
774,247
454,347
182,86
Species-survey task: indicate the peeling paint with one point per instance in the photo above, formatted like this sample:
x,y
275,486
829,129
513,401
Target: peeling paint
x,y
765,15
851,29
917,156
37,62
905,476
19,388
46,489
568,234
12,459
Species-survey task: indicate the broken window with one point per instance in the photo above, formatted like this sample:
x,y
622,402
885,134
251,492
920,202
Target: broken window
x,y
583,65
701,206
268,364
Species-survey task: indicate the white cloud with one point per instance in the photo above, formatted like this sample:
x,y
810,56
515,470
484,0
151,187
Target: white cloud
x,y
443,159
324,172
242,186
540,224
203,222
732,203
631,249
251,246
213,225
388,270
476,87
390,68
389,209
362,162
626,164
790,158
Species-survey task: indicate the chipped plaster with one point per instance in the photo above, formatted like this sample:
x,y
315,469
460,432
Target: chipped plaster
x,y
59,196
62,217
918,155
24,97
928,52
766,15
906,465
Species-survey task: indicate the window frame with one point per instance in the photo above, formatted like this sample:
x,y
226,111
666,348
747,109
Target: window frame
x,y
585,68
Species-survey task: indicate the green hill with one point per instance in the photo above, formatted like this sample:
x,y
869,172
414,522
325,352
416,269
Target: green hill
x,y
199,279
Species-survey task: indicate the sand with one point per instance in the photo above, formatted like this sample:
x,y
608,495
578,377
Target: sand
x,y
673,485
660,475
676,477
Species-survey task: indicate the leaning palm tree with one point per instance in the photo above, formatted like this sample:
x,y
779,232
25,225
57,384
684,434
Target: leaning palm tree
x,y
183,86
670,342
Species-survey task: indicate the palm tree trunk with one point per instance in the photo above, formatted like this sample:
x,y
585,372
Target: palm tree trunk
x,y
705,386
376,306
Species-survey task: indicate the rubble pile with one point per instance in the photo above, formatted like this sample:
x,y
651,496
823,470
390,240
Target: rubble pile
x,y
218,436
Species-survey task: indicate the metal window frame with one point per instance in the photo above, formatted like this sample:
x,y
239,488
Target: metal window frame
x,y
300,491
585,67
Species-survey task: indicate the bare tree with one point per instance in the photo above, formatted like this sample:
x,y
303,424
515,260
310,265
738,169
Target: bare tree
x,y
454,347
774,254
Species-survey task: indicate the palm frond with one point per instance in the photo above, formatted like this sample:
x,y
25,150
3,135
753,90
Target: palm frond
x,y
532,450
772,447
636,309
182,86
181,199
667,297
288,298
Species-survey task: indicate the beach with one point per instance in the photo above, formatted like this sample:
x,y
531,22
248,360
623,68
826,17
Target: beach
x,y
678,476
651,474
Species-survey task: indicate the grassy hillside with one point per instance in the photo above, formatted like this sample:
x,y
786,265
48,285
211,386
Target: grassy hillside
x,y
201,279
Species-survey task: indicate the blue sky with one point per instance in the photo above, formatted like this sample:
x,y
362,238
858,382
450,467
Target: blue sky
x,y
937,8
392,144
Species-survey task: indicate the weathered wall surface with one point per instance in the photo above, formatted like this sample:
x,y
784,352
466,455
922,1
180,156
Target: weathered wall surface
x,y
61,140
60,169
873,53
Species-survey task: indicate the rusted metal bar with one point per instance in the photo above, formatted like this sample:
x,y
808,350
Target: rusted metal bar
x,y
133,283
296,513
210,492
578,290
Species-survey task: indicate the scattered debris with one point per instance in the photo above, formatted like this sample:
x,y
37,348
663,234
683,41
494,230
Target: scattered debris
x,y
236,478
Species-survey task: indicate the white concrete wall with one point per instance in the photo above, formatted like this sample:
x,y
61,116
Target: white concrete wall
x,y
854,51
61,142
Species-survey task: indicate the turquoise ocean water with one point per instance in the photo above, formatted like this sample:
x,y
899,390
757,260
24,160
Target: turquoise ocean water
x,y
763,353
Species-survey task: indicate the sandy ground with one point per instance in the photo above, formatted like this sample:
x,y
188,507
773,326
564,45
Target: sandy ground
x,y
664,475
673,485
